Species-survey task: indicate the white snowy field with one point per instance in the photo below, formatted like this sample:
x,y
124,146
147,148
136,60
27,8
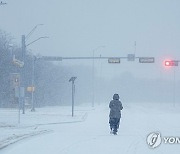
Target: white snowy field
x,y
91,135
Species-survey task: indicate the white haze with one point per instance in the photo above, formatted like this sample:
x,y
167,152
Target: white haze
x,y
76,28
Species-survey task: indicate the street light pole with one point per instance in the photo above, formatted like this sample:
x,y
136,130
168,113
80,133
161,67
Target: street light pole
x,y
93,82
32,93
32,31
94,73
36,40
22,83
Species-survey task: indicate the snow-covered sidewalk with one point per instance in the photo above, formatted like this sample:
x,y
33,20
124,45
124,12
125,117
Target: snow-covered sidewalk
x,y
32,123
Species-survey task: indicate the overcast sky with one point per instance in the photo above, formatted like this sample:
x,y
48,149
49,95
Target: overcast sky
x,y
76,27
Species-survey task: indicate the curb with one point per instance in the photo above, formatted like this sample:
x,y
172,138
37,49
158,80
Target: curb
x,y
16,138
11,140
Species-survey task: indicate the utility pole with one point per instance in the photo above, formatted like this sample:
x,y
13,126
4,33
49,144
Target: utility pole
x,y
93,74
22,83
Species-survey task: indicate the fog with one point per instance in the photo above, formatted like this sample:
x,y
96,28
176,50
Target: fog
x,y
81,27
75,28
134,82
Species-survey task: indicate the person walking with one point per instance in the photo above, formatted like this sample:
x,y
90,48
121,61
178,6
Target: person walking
x,y
115,106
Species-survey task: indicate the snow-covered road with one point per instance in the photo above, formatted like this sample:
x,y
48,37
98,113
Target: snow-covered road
x,y
92,135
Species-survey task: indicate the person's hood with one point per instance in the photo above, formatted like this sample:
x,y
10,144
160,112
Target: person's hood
x,y
116,97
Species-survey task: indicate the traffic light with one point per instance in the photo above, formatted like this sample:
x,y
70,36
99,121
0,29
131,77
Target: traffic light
x,y
167,63
17,62
16,80
171,63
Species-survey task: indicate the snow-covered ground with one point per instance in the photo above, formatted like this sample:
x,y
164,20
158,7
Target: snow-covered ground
x,y
12,131
88,131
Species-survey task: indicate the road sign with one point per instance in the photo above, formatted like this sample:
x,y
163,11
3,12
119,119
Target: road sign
x,y
146,60
171,63
72,79
114,60
51,58
31,89
131,57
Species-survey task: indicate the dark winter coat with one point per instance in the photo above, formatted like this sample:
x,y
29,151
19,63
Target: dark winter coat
x,y
115,107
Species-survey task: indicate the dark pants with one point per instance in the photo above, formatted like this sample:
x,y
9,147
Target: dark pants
x,y
114,124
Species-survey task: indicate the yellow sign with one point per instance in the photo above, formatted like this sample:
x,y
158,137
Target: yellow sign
x,y
31,89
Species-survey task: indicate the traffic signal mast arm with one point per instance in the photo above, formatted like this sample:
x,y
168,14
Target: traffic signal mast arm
x,y
54,58
111,59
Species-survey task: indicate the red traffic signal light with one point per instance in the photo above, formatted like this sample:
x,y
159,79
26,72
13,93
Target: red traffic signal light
x,y
171,63
167,63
